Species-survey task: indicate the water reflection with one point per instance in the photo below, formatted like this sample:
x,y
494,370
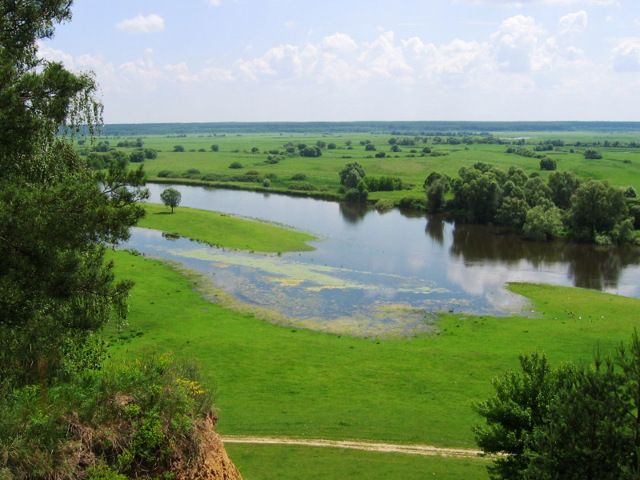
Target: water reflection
x,y
435,229
588,266
353,212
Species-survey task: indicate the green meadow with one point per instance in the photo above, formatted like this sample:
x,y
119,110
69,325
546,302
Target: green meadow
x,y
621,166
274,380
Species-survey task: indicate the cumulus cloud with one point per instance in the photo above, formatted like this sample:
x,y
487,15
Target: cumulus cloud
x,y
626,55
574,22
515,42
340,42
142,24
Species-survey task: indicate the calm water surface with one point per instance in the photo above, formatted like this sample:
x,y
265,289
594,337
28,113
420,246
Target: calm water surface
x,y
374,273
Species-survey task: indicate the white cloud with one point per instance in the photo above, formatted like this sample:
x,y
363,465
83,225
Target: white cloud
x,y
340,42
141,24
515,43
215,3
626,55
574,22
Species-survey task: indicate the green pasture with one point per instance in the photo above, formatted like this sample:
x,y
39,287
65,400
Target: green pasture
x,y
277,380
287,462
216,228
410,164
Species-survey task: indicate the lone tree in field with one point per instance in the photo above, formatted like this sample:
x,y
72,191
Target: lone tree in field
x,y
171,198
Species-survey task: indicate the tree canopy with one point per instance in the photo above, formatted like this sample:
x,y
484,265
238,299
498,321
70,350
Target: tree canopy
x,y
56,215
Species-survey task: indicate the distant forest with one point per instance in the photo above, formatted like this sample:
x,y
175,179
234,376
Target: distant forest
x,y
394,128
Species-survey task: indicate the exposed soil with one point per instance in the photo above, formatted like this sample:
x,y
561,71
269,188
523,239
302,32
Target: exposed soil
x,y
428,450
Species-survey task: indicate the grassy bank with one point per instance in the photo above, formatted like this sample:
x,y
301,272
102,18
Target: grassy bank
x,y
218,229
273,380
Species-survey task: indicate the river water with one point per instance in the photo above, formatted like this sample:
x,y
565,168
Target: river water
x,y
382,273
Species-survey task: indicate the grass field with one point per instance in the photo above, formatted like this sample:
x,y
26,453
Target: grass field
x,y
621,166
274,380
216,228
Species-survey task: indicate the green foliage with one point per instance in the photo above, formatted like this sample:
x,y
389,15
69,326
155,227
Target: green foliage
x,y
178,148
568,423
596,208
548,164
235,165
592,154
312,152
542,222
351,175
127,419
171,198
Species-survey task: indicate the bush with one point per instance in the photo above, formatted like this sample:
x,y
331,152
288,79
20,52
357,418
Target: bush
x,y
384,204
413,203
299,177
166,174
306,187
129,420
235,165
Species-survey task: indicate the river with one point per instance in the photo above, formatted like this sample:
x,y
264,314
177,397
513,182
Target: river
x,y
378,273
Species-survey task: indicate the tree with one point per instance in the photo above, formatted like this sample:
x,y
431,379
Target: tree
x,y
563,185
520,404
596,207
171,198
56,215
592,155
351,175
566,423
178,148
214,148
311,152
370,147
548,164
543,222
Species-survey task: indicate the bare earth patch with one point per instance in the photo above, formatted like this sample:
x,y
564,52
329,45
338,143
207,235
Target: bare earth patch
x,y
427,450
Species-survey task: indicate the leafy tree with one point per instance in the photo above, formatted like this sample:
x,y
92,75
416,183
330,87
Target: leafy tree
x,y
596,207
563,185
512,212
519,405
214,148
56,215
311,152
370,147
543,222
630,192
178,148
321,144
351,175
171,198
566,423
548,164
332,146
592,154
137,156
436,195
536,191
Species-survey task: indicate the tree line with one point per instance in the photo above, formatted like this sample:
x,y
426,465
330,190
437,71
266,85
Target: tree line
x,y
585,210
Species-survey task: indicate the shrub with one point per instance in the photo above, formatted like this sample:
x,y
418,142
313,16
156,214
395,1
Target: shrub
x,y
166,174
235,165
299,177
306,187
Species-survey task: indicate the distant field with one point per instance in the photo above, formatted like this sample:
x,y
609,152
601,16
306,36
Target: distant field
x,y
621,166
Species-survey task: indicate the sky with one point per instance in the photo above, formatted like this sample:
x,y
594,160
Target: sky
x,y
159,61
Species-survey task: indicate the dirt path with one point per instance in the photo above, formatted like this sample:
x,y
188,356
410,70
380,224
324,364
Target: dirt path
x,y
368,446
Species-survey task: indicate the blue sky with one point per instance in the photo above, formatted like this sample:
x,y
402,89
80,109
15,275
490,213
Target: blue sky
x,y
299,60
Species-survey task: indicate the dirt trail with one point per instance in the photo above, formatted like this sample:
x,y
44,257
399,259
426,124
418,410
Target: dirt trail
x,y
368,446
